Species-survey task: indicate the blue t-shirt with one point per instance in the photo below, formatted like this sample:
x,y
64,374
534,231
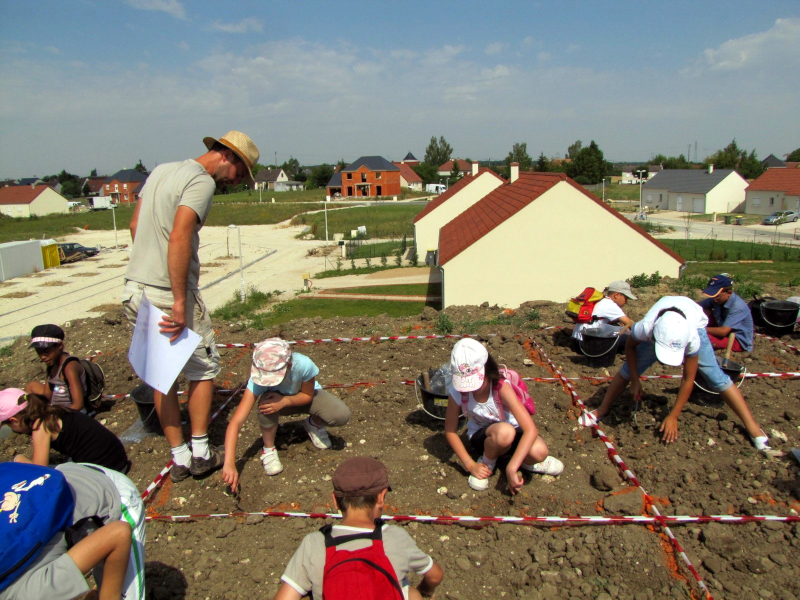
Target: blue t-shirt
x,y
734,314
303,369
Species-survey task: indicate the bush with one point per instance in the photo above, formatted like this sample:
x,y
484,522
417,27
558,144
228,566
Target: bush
x,y
444,325
369,262
339,264
414,258
383,259
398,258
644,280
353,263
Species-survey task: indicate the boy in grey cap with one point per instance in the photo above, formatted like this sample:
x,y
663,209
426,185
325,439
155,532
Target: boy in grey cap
x,y
608,311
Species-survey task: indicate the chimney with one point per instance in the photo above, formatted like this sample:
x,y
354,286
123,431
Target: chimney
x,y
514,171
33,186
474,168
710,169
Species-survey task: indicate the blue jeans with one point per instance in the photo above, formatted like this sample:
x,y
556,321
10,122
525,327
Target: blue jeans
x,y
707,365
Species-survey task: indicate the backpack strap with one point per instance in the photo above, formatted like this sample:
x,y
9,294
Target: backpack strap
x,y
376,535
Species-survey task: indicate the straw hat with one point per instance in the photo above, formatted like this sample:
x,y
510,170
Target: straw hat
x,y
241,145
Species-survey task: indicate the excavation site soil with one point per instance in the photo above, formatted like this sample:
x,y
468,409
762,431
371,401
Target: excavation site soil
x,y
711,470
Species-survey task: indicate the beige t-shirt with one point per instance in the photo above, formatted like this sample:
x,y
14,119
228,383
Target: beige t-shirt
x,y
169,186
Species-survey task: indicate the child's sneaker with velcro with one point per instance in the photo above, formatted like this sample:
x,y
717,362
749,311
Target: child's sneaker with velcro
x,y
271,463
549,466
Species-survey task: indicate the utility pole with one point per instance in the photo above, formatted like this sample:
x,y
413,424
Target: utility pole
x,y
276,158
695,151
640,172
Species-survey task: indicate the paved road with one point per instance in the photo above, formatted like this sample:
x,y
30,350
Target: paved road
x,y
788,233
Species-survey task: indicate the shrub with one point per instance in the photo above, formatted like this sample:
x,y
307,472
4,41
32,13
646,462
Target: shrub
x,y
369,262
414,258
398,258
383,259
338,264
353,263
444,325
644,280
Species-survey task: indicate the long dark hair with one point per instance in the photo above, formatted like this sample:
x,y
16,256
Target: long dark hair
x,y
40,410
492,372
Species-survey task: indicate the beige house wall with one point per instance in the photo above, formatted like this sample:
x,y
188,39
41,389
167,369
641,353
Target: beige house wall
x,y
728,195
426,230
758,202
545,258
655,198
16,210
49,202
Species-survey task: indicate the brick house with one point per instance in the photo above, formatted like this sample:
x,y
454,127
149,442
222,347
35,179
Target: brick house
x,y
124,186
367,177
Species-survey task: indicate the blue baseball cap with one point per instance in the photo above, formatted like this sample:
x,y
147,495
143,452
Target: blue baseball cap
x,y
716,284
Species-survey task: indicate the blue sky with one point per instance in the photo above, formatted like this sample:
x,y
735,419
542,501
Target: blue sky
x,y
103,83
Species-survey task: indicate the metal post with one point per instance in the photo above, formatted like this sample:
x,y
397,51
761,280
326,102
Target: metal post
x,y
326,221
241,262
114,218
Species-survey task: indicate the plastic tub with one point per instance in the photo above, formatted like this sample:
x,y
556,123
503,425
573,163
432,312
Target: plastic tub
x,y
143,397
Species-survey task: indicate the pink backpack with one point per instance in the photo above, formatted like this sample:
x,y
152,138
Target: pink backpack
x,y
520,389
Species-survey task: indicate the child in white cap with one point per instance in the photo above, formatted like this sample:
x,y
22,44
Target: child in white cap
x,y
283,383
498,422
673,332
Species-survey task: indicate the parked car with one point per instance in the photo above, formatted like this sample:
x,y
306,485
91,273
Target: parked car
x,y
781,216
71,252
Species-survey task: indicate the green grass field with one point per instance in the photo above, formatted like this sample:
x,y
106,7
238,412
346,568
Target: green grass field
x,y
331,308
620,192
318,195
376,250
56,226
389,221
403,289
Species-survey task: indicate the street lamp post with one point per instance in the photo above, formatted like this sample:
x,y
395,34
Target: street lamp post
x,y
241,265
604,190
640,172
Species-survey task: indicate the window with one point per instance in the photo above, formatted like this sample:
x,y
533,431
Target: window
x,y
378,190
772,201
124,186
756,201
363,178
349,190
649,197
116,187
349,175
378,175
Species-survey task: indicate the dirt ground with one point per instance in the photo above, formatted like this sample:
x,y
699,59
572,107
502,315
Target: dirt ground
x,y
711,469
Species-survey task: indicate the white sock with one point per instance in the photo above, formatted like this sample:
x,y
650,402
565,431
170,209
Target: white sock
x,y
266,450
182,455
489,462
200,446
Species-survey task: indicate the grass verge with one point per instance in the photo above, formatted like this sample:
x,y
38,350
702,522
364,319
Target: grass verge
x,y
356,271
330,308
375,251
235,309
388,221
56,226
401,289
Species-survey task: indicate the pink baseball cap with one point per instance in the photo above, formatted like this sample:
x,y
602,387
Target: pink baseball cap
x,y
9,403
270,360
467,363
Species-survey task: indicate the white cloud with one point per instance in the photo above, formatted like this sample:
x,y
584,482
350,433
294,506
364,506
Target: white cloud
x,y
171,7
528,41
779,43
573,48
183,45
544,56
244,26
52,50
495,48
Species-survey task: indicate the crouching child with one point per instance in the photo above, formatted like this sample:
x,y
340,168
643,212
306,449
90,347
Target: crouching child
x,y
361,552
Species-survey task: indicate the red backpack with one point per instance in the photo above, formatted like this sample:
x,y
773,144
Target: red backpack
x,y
520,389
580,308
364,574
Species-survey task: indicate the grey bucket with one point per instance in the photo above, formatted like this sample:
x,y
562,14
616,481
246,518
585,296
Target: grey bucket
x,y
143,397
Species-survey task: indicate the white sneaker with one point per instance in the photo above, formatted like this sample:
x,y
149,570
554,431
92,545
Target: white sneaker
x,y
479,485
589,418
271,462
319,435
549,466
761,443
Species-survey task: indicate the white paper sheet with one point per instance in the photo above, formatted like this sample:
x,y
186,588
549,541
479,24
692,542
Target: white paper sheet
x,y
155,360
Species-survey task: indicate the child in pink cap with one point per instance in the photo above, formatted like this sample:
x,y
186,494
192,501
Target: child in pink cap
x,y
283,383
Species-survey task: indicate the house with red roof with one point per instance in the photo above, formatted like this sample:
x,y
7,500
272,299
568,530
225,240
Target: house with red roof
x,y
542,236
448,205
408,176
464,167
776,189
31,200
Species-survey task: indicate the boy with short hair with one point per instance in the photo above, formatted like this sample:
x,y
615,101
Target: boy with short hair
x,y
359,490
727,313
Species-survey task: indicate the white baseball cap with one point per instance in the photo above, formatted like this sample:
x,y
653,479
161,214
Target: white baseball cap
x,y
467,363
671,333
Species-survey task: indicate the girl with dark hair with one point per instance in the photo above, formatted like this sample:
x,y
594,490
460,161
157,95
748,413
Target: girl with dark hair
x,y
73,434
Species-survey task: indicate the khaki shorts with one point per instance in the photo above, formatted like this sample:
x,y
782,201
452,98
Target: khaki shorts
x,y
204,363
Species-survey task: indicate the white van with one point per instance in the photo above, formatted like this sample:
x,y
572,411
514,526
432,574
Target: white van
x,y
435,188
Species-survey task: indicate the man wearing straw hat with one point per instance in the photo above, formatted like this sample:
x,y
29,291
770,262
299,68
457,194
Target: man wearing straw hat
x,y
164,266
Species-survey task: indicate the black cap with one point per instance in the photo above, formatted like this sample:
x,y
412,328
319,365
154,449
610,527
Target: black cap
x,y
44,336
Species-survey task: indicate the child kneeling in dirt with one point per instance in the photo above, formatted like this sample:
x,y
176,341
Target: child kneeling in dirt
x,y
75,435
330,563
498,422
673,332
283,383
114,552
66,379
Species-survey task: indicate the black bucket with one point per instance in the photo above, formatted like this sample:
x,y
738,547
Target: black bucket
x,y
434,402
732,369
780,313
601,351
143,397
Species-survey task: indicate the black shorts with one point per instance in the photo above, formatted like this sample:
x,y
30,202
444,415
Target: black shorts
x,y
478,440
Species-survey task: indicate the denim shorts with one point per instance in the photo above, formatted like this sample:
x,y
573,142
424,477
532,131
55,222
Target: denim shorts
x,y
707,366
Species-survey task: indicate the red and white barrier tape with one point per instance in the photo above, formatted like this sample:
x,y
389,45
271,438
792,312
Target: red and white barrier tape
x,y
389,338
626,471
774,339
160,477
592,520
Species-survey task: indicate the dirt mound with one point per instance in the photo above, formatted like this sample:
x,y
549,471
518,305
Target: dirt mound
x,y
711,469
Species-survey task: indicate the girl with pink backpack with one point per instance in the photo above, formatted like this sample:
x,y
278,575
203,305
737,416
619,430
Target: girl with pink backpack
x,y
498,423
